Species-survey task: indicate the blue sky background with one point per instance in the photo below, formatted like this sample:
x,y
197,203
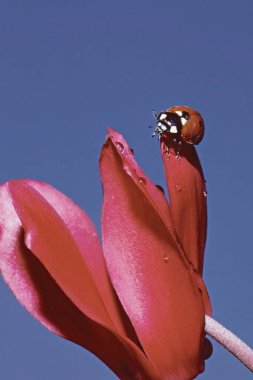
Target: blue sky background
x,y
68,69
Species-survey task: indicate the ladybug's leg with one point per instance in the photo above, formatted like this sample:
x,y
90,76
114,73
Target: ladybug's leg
x,y
179,145
167,151
155,115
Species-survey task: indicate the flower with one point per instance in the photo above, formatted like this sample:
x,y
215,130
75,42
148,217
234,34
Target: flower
x,y
139,303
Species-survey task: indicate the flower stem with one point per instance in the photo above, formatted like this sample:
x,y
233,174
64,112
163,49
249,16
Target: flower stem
x,y
230,341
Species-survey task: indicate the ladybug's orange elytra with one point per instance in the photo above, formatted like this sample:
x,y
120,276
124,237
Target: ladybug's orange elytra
x,y
193,128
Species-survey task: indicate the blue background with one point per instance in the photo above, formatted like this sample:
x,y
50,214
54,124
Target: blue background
x,y
68,69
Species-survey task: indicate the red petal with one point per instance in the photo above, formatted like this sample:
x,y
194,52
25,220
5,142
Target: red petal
x,y
38,292
152,279
49,239
85,237
187,192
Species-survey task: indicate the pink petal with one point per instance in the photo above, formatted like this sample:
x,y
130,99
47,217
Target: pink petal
x,y
49,239
150,274
39,292
85,237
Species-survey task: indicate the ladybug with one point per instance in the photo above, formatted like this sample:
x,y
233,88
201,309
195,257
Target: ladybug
x,y
182,123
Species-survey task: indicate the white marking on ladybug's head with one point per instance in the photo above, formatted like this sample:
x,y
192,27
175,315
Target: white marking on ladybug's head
x,y
163,116
183,120
159,124
180,113
173,129
164,128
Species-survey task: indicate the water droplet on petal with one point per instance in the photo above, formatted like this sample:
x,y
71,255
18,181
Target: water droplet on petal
x,y
166,259
119,146
205,193
166,150
178,188
179,245
191,267
142,180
